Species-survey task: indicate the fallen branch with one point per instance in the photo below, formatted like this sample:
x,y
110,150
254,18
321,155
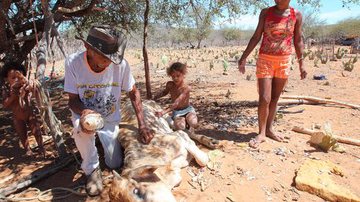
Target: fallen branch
x,y
35,177
280,103
321,101
344,140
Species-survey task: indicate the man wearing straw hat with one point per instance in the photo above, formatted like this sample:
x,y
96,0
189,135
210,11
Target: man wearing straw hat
x,y
94,80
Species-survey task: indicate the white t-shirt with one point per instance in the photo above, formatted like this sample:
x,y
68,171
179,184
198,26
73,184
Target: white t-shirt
x,y
98,91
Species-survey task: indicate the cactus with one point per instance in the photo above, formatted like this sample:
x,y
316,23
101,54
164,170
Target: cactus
x,y
311,55
319,53
292,63
306,53
225,65
164,60
138,56
256,54
324,58
316,62
232,54
211,65
340,53
349,65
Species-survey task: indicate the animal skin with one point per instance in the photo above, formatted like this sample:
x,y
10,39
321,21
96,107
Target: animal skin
x,y
151,171
92,122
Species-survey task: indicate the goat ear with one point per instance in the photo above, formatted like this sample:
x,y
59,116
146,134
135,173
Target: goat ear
x,y
143,173
116,175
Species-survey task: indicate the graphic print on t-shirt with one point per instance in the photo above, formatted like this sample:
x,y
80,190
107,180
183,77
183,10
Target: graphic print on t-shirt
x,y
101,102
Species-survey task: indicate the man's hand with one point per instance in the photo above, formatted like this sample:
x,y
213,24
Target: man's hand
x,y
241,66
145,135
303,73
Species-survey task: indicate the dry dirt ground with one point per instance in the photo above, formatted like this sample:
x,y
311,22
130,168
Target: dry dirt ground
x,y
222,102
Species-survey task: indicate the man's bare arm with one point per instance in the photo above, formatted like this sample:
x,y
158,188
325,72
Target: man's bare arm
x,y
75,103
135,99
145,134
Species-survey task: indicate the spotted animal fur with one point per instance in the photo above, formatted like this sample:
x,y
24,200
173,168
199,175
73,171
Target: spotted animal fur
x,y
151,171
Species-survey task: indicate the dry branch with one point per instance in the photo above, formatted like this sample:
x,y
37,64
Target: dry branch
x,y
280,103
78,11
321,101
344,140
26,38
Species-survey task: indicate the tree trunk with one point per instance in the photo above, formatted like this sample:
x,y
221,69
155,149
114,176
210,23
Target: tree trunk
x,y
45,106
4,7
199,44
145,54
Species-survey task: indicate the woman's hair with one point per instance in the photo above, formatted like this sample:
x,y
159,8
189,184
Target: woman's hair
x,y
12,66
177,66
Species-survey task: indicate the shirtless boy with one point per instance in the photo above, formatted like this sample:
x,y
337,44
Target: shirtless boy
x,y
183,113
23,113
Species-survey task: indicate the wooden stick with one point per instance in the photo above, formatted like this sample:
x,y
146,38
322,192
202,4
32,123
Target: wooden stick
x,y
35,177
321,100
281,103
293,102
344,140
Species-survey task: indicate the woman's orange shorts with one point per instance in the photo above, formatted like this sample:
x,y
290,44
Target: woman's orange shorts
x,y
270,66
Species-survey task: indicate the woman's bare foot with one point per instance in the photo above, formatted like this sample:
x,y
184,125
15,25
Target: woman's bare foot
x,y
256,141
274,136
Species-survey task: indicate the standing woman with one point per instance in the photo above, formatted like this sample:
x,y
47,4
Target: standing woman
x,y
278,26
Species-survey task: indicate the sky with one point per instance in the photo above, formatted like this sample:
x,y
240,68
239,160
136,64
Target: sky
x,y
331,11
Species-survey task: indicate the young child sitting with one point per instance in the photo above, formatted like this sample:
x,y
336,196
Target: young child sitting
x,y
15,97
183,113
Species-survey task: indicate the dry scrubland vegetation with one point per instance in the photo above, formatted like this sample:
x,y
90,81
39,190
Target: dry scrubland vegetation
x,y
223,99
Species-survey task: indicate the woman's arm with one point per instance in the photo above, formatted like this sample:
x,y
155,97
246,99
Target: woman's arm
x,y
299,44
253,41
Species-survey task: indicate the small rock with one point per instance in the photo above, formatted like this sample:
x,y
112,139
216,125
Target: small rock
x,y
280,151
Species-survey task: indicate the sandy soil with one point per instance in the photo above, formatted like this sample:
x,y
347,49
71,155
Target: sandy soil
x,y
222,101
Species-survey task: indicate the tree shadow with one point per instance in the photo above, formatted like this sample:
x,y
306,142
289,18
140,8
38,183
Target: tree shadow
x,y
15,165
225,135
